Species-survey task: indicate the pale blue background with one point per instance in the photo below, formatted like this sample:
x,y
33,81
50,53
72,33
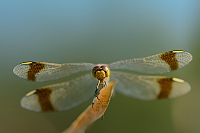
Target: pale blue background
x,y
99,32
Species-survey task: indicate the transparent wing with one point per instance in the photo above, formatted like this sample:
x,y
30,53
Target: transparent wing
x,y
42,71
149,87
62,96
159,63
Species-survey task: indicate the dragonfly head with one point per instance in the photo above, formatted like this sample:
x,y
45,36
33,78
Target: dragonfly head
x,y
100,72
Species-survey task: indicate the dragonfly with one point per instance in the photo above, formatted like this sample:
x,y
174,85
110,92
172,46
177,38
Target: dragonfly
x,y
71,93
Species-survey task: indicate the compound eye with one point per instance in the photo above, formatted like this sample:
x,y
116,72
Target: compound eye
x,y
94,71
95,68
106,70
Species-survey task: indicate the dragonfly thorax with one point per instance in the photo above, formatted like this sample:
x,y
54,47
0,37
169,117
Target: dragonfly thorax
x,y
100,72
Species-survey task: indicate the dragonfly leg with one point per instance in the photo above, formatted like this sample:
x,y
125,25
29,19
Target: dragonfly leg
x,y
102,117
105,84
96,93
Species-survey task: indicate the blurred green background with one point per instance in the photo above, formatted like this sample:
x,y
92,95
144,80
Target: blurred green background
x,y
99,32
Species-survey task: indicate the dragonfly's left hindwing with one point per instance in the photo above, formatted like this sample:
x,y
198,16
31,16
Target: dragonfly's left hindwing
x,y
150,87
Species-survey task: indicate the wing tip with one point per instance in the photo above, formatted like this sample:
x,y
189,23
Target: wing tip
x,y
28,106
186,56
16,69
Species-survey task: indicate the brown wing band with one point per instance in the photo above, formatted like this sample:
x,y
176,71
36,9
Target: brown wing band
x,y
170,59
165,87
44,99
35,67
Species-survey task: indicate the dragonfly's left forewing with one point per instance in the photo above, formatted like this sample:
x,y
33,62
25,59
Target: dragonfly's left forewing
x,y
155,64
150,87
61,96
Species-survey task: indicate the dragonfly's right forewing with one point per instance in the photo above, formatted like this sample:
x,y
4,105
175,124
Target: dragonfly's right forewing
x,y
43,71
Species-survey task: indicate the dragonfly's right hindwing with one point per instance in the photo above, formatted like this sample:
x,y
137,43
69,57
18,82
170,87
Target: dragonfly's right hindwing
x,y
61,96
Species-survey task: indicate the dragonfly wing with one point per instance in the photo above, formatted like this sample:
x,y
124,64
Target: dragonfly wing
x,y
61,96
149,87
155,64
42,71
